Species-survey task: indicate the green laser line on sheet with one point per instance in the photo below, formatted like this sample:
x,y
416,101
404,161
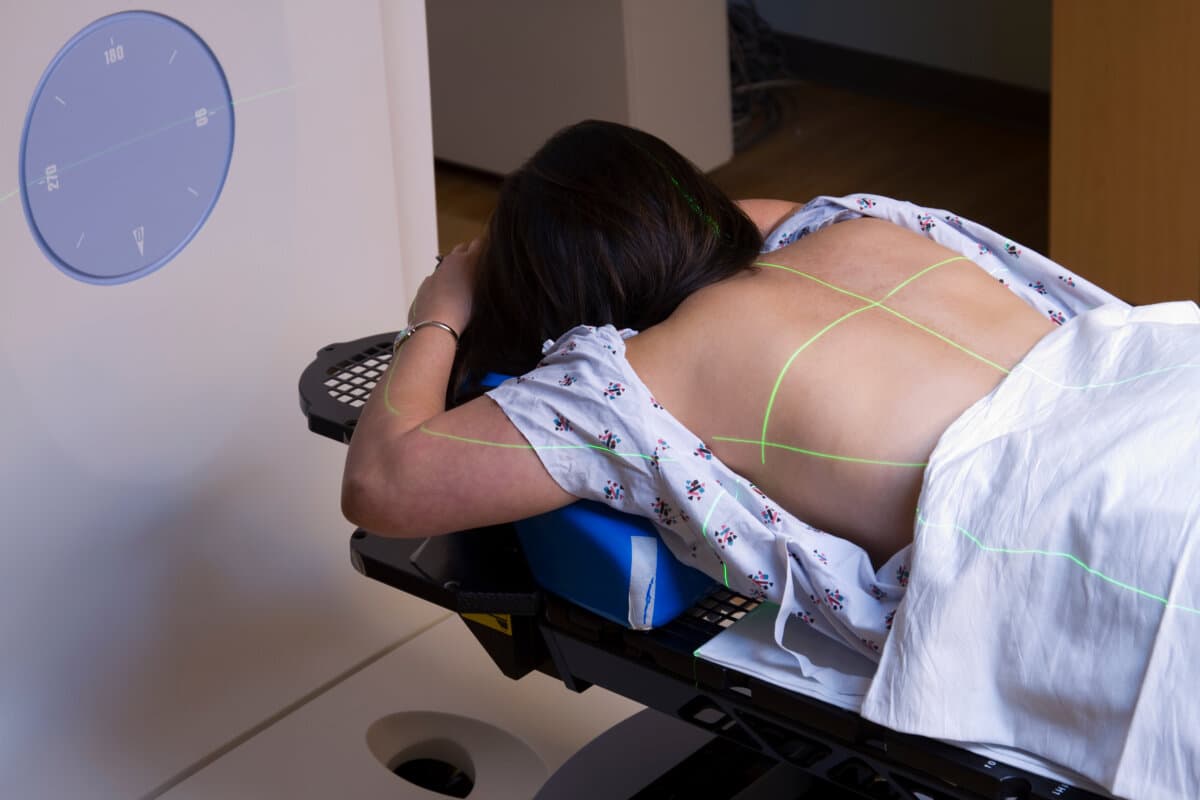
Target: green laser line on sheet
x,y
1108,384
1058,554
704,531
711,509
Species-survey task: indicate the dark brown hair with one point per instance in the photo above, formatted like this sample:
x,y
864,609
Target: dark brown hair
x,y
605,224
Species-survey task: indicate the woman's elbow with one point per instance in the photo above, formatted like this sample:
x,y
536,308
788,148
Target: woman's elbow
x,y
354,503
380,513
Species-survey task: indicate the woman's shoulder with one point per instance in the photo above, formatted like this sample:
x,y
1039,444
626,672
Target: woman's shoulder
x,y
767,214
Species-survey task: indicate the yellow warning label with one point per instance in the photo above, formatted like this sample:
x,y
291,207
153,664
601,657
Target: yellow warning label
x,y
500,622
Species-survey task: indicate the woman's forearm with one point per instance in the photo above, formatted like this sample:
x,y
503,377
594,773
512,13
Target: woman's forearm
x,y
412,391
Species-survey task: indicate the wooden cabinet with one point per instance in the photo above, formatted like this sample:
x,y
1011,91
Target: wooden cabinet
x,y
1125,146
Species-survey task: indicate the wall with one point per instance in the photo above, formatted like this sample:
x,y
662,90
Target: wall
x,y
506,76
1002,41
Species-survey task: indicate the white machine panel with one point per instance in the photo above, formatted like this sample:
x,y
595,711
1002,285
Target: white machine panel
x,y
173,564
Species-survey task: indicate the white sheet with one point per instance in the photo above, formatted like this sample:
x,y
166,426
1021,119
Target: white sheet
x,y
1054,600
749,646
1053,643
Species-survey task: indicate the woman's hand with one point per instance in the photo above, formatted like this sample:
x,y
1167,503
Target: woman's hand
x,y
445,294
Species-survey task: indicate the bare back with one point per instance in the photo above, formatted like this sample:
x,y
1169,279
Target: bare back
x,y
854,396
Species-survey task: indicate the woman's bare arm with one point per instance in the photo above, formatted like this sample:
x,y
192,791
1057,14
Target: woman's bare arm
x,y
415,469
464,468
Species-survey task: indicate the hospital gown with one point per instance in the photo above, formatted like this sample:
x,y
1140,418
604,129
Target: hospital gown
x,y
602,436
1050,599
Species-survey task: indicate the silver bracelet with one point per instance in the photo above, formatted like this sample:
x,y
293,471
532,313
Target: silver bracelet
x,y
403,335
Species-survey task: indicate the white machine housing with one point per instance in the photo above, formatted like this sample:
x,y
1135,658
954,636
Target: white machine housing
x,y
174,575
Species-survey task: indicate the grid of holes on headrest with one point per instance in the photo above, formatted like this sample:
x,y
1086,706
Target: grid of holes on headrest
x,y
721,608
352,380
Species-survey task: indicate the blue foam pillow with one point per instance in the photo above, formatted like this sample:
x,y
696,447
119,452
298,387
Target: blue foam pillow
x,y
611,563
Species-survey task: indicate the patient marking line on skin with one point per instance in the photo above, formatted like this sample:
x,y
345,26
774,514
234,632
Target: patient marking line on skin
x,y
1033,551
890,310
763,442
395,412
871,304
972,353
818,454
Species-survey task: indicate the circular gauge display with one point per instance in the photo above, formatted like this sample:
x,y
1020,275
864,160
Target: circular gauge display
x,y
126,147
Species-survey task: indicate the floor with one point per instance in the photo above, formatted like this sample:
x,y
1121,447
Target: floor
x,y
834,141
